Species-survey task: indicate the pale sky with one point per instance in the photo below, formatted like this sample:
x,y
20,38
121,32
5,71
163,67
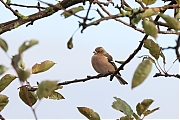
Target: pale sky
x,y
119,40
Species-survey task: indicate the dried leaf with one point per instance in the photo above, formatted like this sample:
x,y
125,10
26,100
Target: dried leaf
x,y
32,97
3,101
150,111
6,80
126,118
42,67
149,2
150,12
153,48
89,113
55,96
143,106
70,43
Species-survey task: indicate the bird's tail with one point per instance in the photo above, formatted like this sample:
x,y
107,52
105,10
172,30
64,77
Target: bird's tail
x,y
121,80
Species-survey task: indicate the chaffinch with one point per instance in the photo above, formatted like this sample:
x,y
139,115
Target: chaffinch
x,y
102,63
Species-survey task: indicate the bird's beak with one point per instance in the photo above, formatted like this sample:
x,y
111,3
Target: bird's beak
x,y
94,52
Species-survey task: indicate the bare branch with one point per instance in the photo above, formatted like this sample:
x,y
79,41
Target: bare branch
x,y
27,6
84,79
1,117
4,27
177,48
167,75
8,7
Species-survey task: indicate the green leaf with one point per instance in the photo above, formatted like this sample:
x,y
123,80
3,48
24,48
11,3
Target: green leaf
x,y
178,1
163,57
42,67
136,116
150,12
23,74
153,48
150,28
31,96
3,101
141,72
22,65
149,2
70,43
177,16
3,45
16,63
6,80
26,45
3,69
137,18
46,88
126,118
72,11
55,96
122,106
8,2
172,22
89,113
150,111
143,106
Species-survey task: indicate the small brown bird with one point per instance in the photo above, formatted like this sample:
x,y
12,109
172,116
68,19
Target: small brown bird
x,y
102,63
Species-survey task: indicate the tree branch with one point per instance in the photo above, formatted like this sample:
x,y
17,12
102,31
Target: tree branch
x,y
84,79
177,48
27,6
8,7
167,75
4,27
136,50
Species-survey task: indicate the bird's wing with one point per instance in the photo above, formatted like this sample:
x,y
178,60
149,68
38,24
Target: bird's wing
x,y
110,60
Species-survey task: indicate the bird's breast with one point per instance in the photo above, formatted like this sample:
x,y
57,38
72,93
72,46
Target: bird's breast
x,y
101,64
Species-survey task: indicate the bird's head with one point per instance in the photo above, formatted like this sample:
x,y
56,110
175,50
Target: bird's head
x,y
100,50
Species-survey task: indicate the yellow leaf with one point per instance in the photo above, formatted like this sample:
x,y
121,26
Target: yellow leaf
x,y
42,67
70,43
89,113
149,2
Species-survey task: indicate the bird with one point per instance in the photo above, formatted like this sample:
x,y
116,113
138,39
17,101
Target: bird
x,y
103,63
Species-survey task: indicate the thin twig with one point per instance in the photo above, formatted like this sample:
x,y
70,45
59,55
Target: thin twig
x,y
135,51
1,117
8,7
27,6
61,8
168,48
84,79
177,48
167,75
14,64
